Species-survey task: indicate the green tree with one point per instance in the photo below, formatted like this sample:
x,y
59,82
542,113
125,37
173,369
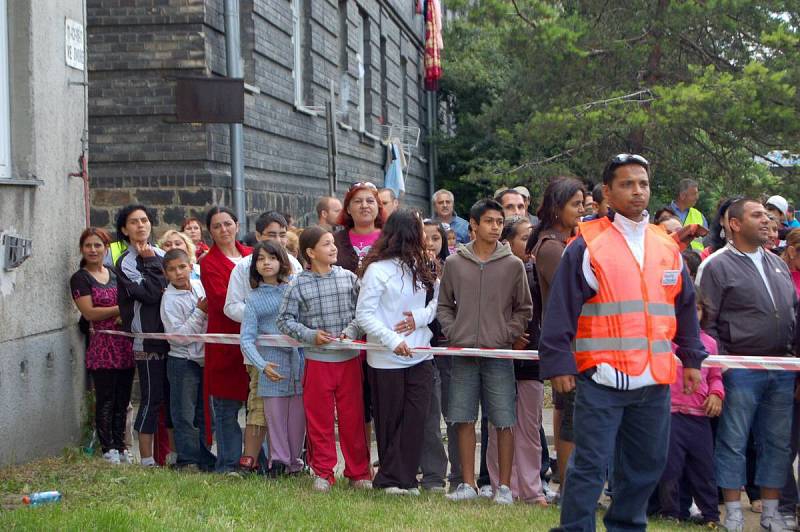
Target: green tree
x,y
703,88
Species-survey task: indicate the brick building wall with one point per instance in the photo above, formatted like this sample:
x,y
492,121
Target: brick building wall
x,y
138,152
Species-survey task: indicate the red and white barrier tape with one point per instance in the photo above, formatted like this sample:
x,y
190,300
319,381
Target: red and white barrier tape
x,y
277,340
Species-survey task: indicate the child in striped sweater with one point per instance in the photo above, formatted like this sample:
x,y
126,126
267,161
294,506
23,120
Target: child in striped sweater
x,y
280,368
320,307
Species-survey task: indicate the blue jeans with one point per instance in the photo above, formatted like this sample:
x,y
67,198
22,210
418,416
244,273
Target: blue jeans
x,y
486,381
633,428
762,401
186,408
228,433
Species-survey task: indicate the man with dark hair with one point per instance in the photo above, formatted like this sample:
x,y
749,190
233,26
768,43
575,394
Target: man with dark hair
x,y
620,297
600,202
484,302
513,203
750,304
328,209
683,205
272,226
389,201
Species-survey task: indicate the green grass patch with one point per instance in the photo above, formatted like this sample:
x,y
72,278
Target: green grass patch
x,y
98,496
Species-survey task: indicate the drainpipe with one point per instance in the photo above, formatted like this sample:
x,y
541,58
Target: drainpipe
x,y
432,102
233,57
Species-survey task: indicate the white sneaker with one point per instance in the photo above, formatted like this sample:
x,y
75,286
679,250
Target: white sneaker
x,y
413,492
364,484
321,484
464,492
694,511
789,521
125,457
394,490
172,459
773,523
112,456
486,491
436,489
503,495
734,522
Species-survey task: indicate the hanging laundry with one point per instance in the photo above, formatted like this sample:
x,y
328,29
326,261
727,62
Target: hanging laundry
x,y
394,179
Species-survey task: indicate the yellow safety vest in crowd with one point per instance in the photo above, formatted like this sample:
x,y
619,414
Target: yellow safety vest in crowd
x,y
117,249
695,217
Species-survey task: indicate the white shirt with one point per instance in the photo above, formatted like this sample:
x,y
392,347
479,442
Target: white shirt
x,y
180,315
758,259
633,233
239,289
386,291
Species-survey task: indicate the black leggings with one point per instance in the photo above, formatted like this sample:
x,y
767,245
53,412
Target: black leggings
x,y
112,388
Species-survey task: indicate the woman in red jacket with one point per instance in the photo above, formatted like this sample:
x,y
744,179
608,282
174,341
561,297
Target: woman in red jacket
x,y
225,376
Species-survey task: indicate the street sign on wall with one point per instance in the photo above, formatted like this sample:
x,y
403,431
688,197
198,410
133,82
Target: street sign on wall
x,y
75,53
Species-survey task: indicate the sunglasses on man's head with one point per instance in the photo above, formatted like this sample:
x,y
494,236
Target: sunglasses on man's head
x,y
363,184
625,158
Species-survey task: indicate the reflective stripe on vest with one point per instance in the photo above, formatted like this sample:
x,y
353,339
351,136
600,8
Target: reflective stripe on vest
x,y
622,307
622,344
695,217
630,322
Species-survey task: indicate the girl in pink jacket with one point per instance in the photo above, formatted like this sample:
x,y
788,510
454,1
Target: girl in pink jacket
x,y
690,462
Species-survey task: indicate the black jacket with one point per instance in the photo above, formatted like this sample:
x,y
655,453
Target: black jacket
x,y
526,370
346,256
140,303
740,315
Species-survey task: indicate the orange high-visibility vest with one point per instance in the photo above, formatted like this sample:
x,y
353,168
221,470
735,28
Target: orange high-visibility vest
x,y
630,322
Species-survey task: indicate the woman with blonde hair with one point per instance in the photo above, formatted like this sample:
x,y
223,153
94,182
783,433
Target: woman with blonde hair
x,y
173,239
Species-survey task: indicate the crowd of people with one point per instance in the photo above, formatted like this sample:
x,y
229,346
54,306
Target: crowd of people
x,y
609,295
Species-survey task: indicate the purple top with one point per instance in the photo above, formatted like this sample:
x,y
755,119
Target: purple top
x,y
104,351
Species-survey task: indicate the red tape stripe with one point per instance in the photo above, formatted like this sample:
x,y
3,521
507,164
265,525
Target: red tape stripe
x,y
277,340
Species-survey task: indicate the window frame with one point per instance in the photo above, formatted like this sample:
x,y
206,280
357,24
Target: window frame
x,y
362,75
297,45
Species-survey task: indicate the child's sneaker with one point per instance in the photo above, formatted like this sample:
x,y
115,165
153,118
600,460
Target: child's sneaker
x,y
112,456
125,457
413,492
773,523
789,521
394,490
503,495
364,484
464,492
321,485
148,462
486,491
734,522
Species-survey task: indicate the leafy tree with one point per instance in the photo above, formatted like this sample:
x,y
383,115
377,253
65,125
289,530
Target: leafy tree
x,y
703,88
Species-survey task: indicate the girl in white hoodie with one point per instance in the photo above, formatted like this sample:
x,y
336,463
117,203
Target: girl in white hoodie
x,y
396,303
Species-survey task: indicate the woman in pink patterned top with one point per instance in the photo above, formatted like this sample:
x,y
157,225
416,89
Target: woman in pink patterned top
x,y
361,220
109,359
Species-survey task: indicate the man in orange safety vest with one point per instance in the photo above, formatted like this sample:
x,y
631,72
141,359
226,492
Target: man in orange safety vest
x,y
619,299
